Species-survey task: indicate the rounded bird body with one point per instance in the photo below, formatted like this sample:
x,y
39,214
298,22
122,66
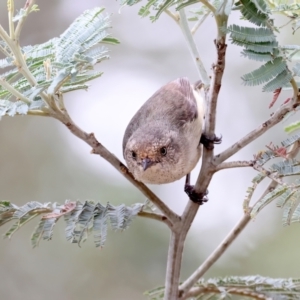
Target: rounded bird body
x,y
161,143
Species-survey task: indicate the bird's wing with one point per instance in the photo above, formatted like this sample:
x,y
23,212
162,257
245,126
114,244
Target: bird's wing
x,y
183,104
174,104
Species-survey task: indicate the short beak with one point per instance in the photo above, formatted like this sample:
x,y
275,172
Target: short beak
x,y
146,163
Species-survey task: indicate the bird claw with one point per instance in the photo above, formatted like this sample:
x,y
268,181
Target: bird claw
x,y
208,142
198,198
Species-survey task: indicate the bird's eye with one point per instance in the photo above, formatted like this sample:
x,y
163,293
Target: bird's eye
x,y
163,151
133,154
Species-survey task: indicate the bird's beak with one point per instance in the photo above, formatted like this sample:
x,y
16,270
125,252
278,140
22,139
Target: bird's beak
x,y
146,163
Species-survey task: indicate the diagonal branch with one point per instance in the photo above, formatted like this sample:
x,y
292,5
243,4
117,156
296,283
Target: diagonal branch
x,y
214,256
155,216
254,134
27,8
234,164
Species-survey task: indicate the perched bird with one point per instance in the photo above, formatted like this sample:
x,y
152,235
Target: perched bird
x,y
161,143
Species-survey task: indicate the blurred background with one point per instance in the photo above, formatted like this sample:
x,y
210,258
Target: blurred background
x,y
41,161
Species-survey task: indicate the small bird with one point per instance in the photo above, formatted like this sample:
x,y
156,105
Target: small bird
x,y
161,143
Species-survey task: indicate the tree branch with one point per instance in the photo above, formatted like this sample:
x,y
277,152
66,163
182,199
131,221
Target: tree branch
x,y
13,91
155,216
27,7
174,16
192,46
208,166
254,134
208,5
175,251
214,256
234,164
199,23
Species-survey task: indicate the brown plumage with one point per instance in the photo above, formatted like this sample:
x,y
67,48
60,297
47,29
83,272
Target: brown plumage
x,y
161,143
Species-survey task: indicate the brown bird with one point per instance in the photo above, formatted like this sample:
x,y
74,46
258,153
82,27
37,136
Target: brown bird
x,y
161,143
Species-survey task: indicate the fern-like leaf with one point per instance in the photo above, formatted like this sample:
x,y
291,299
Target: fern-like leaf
x,y
278,82
251,35
291,140
267,199
265,72
255,12
257,55
81,219
289,207
254,287
250,190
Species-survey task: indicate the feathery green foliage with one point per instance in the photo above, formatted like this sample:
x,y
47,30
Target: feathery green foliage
x,y
82,219
247,287
255,12
266,72
154,8
250,190
61,65
258,56
279,81
260,44
250,34
287,193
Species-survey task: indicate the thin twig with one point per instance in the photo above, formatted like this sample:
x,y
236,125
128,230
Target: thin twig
x,y
11,9
208,166
4,51
193,48
27,7
218,71
155,216
214,256
176,246
254,134
19,59
40,113
199,23
13,91
269,174
234,164
233,290
174,16
295,90
208,5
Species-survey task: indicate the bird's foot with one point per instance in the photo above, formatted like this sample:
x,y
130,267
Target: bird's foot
x,y
208,142
198,198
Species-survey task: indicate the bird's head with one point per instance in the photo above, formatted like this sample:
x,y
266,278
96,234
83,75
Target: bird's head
x,y
151,153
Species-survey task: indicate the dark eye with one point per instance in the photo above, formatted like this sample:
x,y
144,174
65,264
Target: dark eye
x,y
133,154
163,151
